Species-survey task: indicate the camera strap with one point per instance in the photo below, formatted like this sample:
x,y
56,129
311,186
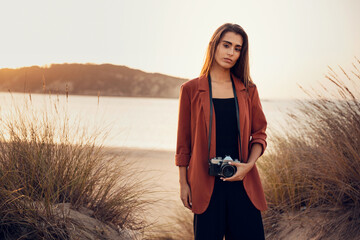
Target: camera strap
x,y
211,113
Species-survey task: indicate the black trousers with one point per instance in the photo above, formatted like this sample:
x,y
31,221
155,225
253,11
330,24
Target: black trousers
x,y
230,213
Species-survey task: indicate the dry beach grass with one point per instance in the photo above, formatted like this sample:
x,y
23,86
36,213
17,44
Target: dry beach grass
x,y
57,182
312,174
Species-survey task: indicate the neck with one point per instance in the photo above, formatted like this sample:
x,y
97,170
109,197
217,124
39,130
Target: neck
x,y
220,74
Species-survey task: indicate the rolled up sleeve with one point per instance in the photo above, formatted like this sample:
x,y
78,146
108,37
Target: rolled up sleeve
x,y
258,122
183,145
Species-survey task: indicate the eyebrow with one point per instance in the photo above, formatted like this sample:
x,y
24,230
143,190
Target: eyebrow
x,y
231,43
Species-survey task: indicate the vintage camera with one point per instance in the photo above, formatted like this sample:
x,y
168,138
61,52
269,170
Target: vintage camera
x,y
221,167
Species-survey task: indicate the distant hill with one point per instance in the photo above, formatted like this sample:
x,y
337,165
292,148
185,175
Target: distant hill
x,y
89,79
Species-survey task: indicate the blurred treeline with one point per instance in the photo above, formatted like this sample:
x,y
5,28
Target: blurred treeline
x,y
89,79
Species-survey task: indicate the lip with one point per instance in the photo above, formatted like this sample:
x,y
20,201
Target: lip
x,y
228,60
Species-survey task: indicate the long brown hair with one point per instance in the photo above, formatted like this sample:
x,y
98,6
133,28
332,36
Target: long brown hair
x,y
241,69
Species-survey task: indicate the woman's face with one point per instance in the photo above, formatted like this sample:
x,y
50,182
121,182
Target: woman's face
x,y
228,50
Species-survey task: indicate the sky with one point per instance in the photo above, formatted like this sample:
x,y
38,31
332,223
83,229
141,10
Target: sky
x,y
291,43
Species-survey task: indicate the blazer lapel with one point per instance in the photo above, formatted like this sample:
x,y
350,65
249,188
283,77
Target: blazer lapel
x,y
204,95
205,100
239,88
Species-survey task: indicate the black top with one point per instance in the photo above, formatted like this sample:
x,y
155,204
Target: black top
x,y
226,128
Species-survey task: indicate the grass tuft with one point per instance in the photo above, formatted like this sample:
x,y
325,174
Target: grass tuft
x,y
49,165
315,165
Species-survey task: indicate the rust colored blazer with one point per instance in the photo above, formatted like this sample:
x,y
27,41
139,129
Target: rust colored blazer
x,y
192,139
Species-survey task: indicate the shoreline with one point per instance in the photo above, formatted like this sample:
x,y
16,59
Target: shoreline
x,y
138,149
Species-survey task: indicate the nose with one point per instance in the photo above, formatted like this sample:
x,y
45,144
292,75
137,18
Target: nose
x,y
231,51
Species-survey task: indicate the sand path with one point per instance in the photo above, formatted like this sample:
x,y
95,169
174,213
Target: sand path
x,y
158,167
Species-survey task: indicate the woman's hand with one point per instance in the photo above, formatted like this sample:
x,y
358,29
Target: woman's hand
x,y
185,195
242,170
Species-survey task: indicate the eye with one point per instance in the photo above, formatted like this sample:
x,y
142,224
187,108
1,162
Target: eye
x,y
238,49
226,45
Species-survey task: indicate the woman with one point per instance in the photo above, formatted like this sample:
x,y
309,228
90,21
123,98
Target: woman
x,y
222,206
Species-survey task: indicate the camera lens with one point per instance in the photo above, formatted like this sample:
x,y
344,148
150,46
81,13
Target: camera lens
x,y
228,170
